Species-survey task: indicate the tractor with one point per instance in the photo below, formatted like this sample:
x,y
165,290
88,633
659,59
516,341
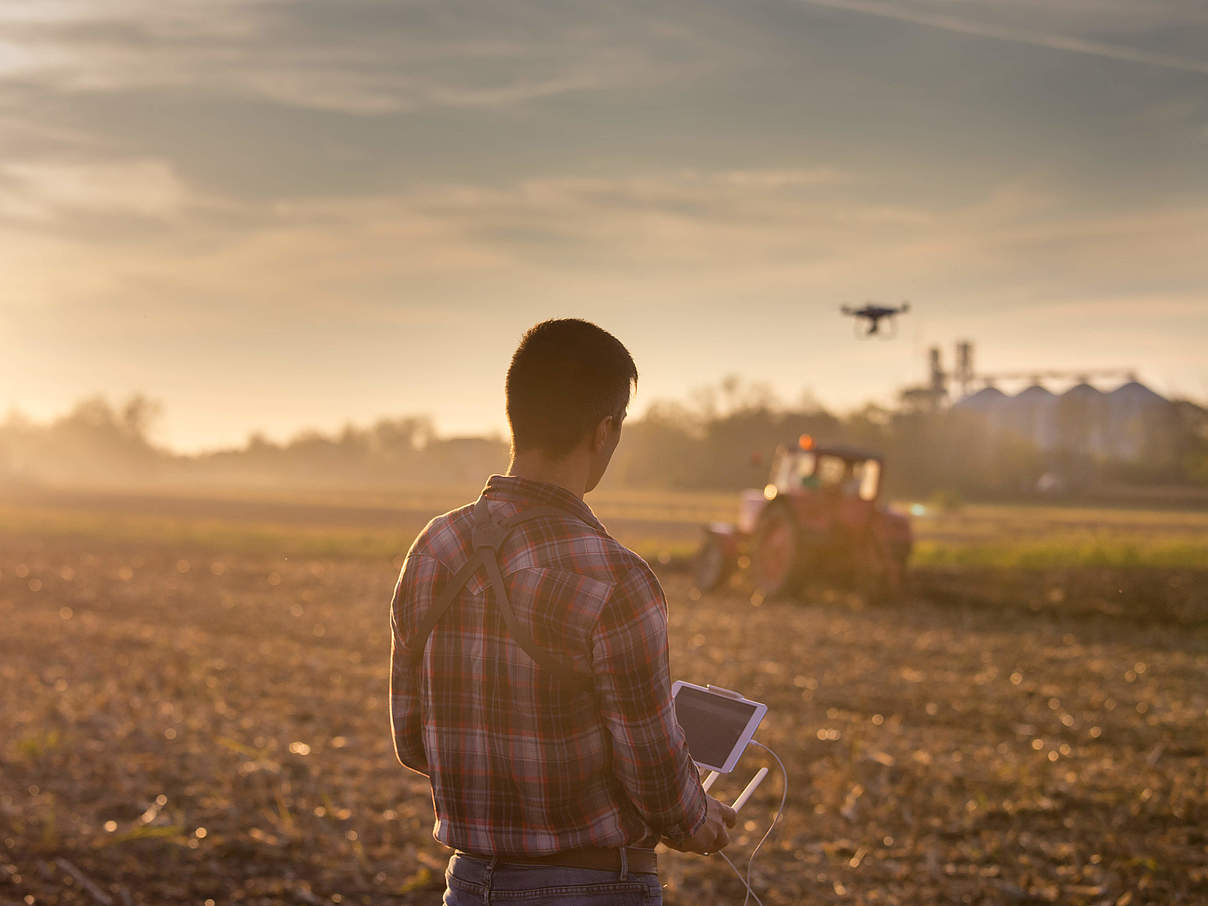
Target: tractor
x,y
820,518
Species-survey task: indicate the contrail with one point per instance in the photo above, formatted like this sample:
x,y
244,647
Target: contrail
x,y
1017,35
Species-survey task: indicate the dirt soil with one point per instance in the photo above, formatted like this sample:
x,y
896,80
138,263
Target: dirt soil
x,y
180,726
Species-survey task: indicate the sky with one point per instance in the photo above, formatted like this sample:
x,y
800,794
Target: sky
x,y
278,214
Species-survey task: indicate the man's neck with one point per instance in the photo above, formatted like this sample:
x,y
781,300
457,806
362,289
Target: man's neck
x,y
569,473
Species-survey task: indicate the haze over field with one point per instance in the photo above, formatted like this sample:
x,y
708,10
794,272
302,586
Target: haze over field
x,y
285,214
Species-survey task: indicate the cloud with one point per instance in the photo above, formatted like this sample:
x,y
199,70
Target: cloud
x,y
46,190
920,15
357,57
303,146
274,100
708,234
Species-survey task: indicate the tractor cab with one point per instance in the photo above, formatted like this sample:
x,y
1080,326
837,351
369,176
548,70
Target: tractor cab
x,y
831,489
834,470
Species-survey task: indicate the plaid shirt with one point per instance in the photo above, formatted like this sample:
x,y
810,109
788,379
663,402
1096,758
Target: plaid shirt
x,y
519,762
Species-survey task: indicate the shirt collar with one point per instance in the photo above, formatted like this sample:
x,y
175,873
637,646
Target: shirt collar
x,y
539,493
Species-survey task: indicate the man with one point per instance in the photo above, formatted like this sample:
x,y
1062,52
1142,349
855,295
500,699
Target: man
x,y
529,669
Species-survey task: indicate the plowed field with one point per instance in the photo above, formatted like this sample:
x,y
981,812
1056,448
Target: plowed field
x,y
183,721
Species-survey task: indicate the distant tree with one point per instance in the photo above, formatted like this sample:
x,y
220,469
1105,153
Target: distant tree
x,y
401,438
138,415
1191,428
96,442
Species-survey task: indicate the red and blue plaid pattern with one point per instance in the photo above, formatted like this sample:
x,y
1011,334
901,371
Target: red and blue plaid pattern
x,y
520,763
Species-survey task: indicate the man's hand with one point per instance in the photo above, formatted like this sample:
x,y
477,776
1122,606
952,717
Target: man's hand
x,y
712,835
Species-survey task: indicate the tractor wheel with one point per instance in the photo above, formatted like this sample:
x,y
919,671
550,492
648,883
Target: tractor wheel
x,y
898,575
873,586
776,552
883,577
712,565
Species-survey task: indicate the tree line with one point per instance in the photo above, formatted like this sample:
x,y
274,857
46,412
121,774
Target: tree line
x,y
723,438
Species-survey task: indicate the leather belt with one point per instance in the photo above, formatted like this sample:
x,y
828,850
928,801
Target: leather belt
x,y
599,858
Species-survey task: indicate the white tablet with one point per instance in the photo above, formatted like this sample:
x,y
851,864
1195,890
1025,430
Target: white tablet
x,y
718,723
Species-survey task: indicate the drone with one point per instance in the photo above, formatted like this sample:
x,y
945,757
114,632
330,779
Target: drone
x,y
873,314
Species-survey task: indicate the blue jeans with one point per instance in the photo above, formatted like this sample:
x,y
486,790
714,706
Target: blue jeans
x,y
472,881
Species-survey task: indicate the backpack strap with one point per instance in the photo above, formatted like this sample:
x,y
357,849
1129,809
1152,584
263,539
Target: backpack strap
x,y
488,537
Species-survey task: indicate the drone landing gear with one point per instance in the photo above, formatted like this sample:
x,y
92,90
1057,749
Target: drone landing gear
x,y
886,330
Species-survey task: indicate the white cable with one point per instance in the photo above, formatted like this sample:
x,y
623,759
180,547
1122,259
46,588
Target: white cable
x,y
784,795
738,874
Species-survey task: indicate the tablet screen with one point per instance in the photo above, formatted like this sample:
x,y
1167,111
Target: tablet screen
x,y
712,723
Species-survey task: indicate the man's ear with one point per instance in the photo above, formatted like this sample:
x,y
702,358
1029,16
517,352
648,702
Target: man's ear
x,y
599,436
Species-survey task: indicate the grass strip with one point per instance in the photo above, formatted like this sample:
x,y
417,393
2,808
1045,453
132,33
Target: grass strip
x,y
1109,548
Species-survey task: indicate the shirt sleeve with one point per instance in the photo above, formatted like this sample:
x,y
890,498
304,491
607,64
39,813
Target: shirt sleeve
x,y
633,682
406,715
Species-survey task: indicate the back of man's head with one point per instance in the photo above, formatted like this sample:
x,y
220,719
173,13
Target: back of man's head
x,y
565,377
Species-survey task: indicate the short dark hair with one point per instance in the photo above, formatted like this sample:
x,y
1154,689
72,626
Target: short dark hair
x,y
565,377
